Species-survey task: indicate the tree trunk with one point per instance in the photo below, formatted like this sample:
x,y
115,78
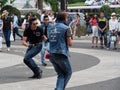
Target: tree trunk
x,y
40,4
63,5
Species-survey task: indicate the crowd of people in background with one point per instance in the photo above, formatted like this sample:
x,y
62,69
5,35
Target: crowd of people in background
x,y
101,28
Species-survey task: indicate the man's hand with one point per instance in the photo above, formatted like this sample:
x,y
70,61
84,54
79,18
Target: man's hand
x,y
44,38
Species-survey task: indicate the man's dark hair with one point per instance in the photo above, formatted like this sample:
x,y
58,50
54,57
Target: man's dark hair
x,y
61,16
31,20
46,16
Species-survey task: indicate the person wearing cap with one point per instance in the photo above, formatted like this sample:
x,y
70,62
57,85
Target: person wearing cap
x,y
113,28
7,25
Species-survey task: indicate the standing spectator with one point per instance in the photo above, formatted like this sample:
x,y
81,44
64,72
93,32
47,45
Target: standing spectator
x,y
25,23
15,26
94,24
46,26
113,28
1,27
102,25
60,39
7,27
88,26
51,17
118,39
77,31
35,36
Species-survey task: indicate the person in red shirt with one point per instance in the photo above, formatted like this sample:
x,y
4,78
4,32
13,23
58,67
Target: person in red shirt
x,y
94,24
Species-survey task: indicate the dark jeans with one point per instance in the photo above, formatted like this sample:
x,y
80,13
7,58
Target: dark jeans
x,y
89,29
103,36
15,31
30,53
7,37
63,68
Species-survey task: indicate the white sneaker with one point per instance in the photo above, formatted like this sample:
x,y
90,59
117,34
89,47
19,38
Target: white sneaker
x,y
8,49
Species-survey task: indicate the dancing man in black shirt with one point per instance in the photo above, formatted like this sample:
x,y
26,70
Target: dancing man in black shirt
x,y
32,38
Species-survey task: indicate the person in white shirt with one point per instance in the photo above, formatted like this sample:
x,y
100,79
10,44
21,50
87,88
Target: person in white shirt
x,y
113,28
15,26
42,16
51,17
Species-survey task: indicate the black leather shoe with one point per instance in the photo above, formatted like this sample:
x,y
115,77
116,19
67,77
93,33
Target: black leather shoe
x,y
44,64
37,76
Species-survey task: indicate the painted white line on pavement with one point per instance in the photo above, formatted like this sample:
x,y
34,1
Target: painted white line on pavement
x,y
107,69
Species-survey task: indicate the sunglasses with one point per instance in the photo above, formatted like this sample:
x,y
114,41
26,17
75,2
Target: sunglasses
x,y
35,23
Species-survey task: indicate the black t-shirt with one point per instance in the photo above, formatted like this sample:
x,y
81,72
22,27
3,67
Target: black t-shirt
x,y
87,19
7,24
45,31
102,22
34,36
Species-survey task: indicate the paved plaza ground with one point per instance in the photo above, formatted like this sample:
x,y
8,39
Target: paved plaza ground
x,y
93,69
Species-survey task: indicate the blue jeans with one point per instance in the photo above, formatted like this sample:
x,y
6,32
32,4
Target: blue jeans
x,y
89,29
63,68
7,37
15,31
103,35
30,53
45,45
109,40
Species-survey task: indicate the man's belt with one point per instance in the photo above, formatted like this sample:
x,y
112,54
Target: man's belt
x,y
36,44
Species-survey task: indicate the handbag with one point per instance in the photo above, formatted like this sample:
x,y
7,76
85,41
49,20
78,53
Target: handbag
x,y
47,55
11,37
113,38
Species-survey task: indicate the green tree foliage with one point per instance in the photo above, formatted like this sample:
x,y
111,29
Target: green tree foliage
x,y
3,2
117,10
107,10
74,1
11,10
54,4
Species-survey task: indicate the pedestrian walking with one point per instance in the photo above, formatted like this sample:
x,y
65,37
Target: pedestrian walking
x,y
1,27
15,26
7,29
35,36
60,39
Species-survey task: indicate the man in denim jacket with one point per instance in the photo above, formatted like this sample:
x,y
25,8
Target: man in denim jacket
x,y
60,39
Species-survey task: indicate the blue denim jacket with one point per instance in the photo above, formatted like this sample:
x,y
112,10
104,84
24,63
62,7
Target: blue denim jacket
x,y
58,43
